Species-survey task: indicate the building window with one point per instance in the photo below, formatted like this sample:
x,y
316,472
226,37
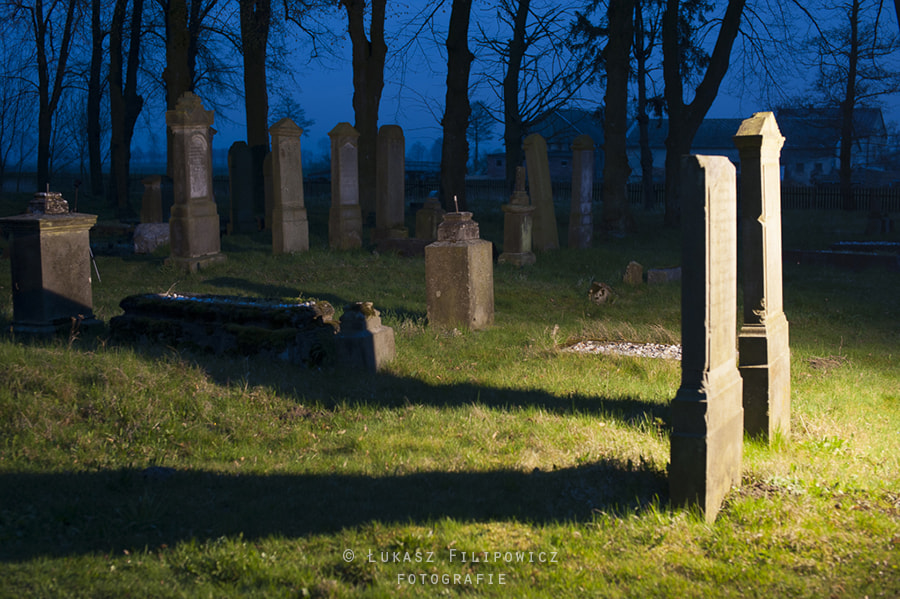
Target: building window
x,y
499,162
564,163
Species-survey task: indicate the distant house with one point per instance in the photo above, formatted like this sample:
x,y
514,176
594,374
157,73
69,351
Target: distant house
x,y
714,137
811,152
811,149
559,129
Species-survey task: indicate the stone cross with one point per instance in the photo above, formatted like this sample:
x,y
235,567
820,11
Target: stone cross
x,y
194,222
290,227
581,224
545,235
390,192
240,189
707,417
765,360
517,226
345,217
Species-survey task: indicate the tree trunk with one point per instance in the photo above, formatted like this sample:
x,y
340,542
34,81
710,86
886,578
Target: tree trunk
x,y
49,94
616,216
255,18
94,99
512,118
177,76
368,83
847,106
685,119
455,150
124,102
643,119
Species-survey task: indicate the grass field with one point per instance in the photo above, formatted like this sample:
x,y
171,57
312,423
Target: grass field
x,y
477,464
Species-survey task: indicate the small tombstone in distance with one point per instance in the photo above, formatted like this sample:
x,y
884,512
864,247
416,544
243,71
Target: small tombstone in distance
x,y
517,223
428,218
634,274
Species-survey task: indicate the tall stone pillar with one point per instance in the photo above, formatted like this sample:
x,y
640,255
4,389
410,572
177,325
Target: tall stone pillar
x,y
345,217
390,185
194,223
517,225
240,189
545,234
290,226
581,218
707,417
765,358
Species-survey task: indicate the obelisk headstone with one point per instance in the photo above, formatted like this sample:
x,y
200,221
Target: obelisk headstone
x,y
517,225
459,275
707,417
545,235
345,217
290,226
581,218
240,187
390,185
194,223
765,359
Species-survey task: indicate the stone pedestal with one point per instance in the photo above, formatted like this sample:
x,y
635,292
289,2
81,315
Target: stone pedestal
x,y
428,219
194,224
151,201
290,226
765,360
363,342
517,225
390,185
459,275
545,234
345,217
240,189
50,258
581,218
707,417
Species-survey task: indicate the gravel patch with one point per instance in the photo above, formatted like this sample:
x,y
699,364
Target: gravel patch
x,y
625,348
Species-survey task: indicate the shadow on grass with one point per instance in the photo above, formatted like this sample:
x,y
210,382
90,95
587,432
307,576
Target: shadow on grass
x,y
74,514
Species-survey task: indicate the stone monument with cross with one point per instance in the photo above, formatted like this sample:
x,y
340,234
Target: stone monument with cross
x,y
517,225
194,222
765,357
707,414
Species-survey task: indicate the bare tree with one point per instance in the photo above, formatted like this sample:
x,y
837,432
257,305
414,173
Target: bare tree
x,y
455,150
481,125
95,99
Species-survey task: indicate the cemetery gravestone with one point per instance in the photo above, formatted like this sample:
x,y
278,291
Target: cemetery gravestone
x,y
240,189
290,227
459,275
765,361
581,223
545,235
151,201
345,217
707,415
517,224
194,224
428,219
50,259
390,185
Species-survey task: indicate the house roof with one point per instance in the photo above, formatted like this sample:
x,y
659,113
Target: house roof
x,y
712,134
819,128
562,126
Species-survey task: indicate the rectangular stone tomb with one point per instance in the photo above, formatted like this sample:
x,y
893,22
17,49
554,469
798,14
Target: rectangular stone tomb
x,y
300,333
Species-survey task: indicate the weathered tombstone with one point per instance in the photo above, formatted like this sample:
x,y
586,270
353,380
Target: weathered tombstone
x,y
363,342
345,217
634,274
240,189
150,236
765,360
459,275
151,201
428,219
707,417
581,219
50,259
390,185
545,235
517,225
194,224
290,227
